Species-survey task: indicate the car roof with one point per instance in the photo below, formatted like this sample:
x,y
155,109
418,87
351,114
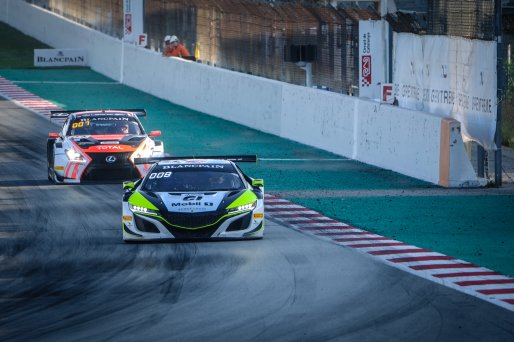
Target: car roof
x,y
195,161
105,113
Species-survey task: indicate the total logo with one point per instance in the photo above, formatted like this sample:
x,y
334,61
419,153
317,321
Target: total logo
x,y
108,148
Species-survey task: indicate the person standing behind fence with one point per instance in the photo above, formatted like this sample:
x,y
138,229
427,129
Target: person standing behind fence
x,y
174,48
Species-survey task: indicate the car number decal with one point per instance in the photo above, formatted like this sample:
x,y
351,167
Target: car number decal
x,y
80,124
160,175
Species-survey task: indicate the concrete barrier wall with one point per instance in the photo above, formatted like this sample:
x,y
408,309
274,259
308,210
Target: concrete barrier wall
x,y
398,139
318,118
392,137
251,101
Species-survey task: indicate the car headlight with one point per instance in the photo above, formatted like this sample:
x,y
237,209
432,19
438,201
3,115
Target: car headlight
x,y
144,152
74,156
142,210
246,207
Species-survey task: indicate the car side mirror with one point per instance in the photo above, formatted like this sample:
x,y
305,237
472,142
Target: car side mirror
x,y
53,135
129,186
154,133
257,182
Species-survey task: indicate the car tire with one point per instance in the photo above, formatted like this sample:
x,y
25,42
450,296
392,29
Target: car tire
x,y
49,174
52,176
50,158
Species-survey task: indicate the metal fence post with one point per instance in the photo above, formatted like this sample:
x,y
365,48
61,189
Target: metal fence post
x,y
499,94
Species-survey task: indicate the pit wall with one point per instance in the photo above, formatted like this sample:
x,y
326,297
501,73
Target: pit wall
x,y
416,144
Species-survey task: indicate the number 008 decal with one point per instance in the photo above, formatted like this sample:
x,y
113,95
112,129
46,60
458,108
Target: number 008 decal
x,y
160,175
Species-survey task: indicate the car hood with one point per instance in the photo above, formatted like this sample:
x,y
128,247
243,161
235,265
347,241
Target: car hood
x,y
88,141
196,202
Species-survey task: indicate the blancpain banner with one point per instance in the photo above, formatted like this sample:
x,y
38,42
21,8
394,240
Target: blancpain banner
x,y
449,76
60,57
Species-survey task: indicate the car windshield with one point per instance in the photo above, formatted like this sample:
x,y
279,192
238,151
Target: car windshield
x,y
104,125
162,180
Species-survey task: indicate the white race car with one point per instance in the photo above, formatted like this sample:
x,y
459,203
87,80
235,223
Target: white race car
x,y
185,198
100,145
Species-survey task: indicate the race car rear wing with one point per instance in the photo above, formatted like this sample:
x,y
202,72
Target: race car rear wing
x,y
234,158
63,114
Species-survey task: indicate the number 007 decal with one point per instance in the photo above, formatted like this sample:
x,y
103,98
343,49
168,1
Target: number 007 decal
x,y
80,124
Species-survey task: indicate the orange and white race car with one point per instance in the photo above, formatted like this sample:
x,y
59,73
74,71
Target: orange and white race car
x,y
100,145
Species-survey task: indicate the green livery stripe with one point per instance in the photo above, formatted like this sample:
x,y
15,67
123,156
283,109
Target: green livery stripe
x,y
139,200
246,198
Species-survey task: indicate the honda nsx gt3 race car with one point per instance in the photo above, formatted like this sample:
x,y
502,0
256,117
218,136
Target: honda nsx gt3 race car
x,y
99,145
184,198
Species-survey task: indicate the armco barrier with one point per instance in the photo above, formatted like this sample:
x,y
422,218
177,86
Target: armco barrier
x,y
413,143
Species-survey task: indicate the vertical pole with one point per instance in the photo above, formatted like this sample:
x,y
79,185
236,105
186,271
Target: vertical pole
x,y
383,8
388,38
480,161
499,94
122,60
308,74
307,66
390,54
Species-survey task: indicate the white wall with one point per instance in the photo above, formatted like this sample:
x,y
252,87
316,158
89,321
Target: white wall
x,y
402,140
389,137
230,95
318,118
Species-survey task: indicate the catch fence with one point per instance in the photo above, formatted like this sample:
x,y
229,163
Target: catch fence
x,y
267,38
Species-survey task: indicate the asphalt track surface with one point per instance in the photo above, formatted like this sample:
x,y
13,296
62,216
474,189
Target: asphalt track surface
x,y
66,275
